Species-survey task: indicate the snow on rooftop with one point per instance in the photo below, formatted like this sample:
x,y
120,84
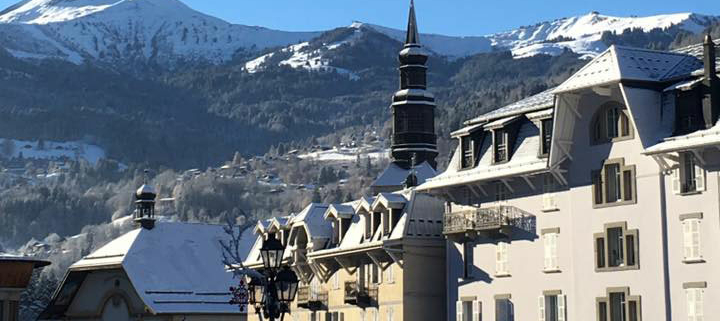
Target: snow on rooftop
x,y
395,175
538,101
164,265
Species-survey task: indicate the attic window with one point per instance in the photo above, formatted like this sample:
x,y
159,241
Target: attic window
x,y
546,130
611,124
688,111
500,146
467,152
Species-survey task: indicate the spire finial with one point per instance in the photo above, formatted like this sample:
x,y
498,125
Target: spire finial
x,y
412,31
145,176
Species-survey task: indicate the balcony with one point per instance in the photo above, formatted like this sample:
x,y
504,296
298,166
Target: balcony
x,y
312,299
360,295
470,222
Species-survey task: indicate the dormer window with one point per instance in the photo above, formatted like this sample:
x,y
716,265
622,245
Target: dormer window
x,y
611,123
467,152
500,146
546,130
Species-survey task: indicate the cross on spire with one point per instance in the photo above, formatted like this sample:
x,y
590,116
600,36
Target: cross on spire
x,y
413,37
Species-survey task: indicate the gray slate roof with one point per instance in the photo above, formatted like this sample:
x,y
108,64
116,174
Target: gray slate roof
x,y
539,101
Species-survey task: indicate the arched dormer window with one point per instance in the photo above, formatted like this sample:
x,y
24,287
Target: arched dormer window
x,y
611,124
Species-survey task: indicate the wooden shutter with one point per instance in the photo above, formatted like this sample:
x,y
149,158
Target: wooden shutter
x,y
562,310
547,250
699,305
501,260
699,177
691,305
476,310
687,240
541,308
676,183
695,238
459,311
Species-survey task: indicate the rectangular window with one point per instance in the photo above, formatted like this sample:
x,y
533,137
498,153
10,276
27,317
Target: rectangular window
x,y
504,310
551,307
612,122
549,197
336,280
597,187
691,240
612,177
550,241
501,259
602,310
617,306
467,310
695,308
689,176
467,152
501,150
600,252
615,247
468,260
390,314
389,274
547,128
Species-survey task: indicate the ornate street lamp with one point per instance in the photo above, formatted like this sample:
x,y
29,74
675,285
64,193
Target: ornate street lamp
x,y
274,292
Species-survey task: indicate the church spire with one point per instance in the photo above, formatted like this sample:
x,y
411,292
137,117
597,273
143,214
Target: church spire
x,y
413,37
145,204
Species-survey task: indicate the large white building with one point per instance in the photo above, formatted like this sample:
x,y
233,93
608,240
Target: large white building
x,y
595,200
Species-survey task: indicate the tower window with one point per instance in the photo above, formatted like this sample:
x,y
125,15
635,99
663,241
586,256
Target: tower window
x,y
468,159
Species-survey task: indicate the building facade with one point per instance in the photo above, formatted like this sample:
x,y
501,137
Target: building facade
x,y
378,258
15,276
594,200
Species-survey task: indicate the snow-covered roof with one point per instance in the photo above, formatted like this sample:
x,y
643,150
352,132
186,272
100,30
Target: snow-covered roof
x,y
624,63
312,218
698,139
538,101
395,175
145,189
6,257
501,122
339,211
524,160
164,264
696,51
389,200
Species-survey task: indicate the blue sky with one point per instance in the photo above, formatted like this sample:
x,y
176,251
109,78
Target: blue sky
x,y
451,17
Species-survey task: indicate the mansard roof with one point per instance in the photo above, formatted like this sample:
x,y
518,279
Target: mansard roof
x,y
313,219
339,211
535,102
623,63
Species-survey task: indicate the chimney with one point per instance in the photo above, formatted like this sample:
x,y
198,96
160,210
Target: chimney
x,y
711,92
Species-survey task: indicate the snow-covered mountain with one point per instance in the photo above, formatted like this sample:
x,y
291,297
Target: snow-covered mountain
x,y
111,30
167,31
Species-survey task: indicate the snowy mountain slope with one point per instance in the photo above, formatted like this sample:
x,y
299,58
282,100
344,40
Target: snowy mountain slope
x,y
582,34
115,30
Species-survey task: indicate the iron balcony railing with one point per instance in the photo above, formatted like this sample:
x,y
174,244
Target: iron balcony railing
x,y
360,295
310,298
480,219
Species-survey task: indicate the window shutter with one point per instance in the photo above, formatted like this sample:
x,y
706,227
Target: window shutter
x,y
501,265
553,251
390,274
676,181
699,306
695,238
548,251
690,295
477,308
459,311
687,240
541,308
699,178
498,258
562,313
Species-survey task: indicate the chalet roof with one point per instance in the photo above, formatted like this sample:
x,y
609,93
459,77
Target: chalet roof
x,y
395,175
163,265
535,102
623,63
696,51
312,218
698,139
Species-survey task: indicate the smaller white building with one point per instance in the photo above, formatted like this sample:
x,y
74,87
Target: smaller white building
x,y
173,271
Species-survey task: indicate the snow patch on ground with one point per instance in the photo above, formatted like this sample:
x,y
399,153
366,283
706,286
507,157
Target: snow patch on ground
x,y
57,150
347,154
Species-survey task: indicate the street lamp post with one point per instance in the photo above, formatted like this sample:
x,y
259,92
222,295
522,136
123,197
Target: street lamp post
x,y
272,293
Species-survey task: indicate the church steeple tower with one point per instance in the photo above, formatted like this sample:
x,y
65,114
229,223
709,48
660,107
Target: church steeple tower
x,y
144,214
413,106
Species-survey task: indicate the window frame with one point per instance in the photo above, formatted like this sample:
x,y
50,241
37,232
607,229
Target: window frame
x,y
680,177
600,184
606,315
465,162
554,235
549,197
560,305
502,259
630,254
599,126
495,146
545,150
